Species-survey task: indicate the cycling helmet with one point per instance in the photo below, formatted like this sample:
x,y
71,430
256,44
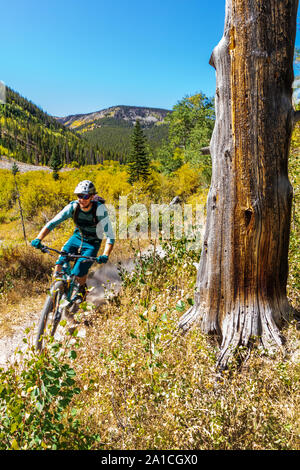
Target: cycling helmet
x,y
85,187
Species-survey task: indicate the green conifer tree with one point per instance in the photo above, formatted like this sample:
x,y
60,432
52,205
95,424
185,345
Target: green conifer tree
x,y
139,160
55,164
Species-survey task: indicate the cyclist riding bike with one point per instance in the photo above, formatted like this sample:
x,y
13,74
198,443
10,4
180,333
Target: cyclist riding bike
x,y
92,221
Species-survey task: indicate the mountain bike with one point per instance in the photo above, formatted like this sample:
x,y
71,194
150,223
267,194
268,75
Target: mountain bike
x,y
62,298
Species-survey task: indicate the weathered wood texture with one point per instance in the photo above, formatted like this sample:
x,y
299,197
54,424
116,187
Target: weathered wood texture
x,y
242,276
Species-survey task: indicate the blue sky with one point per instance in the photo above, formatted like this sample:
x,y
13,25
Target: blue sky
x,y
71,56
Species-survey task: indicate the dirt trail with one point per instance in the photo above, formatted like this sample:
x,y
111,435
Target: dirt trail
x,y
6,164
14,340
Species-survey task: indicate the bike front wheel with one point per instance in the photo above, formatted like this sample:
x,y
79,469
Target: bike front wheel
x,y
49,313
48,307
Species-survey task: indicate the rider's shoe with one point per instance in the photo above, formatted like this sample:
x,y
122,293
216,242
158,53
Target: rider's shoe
x,y
80,297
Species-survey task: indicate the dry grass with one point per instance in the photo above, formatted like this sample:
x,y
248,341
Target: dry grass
x,y
23,274
149,388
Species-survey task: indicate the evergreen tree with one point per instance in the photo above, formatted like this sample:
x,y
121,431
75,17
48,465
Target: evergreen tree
x,y
139,160
55,164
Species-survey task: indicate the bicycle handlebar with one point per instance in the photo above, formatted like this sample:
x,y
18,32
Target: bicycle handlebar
x,y
70,256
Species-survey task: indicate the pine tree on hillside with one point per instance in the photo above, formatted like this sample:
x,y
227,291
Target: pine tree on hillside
x,y
55,164
139,160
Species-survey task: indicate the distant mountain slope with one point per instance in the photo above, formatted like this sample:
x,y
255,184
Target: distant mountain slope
x,y
110,129
30,135
130,114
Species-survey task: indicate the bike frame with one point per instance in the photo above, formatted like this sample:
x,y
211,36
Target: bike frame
x,y
69,280
67,275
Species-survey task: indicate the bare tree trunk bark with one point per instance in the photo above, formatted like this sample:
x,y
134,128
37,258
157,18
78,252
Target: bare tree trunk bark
x,y
241,282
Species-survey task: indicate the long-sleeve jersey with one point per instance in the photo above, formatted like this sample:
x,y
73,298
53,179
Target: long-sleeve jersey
x,y
85,226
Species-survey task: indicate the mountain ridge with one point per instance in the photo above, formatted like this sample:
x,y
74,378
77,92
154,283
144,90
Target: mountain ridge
x,y
148,116
110,129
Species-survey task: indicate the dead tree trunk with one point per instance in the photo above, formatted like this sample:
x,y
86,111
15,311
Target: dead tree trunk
x,y
241,282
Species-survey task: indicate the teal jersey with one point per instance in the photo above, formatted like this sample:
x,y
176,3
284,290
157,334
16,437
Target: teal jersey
x,y
85,226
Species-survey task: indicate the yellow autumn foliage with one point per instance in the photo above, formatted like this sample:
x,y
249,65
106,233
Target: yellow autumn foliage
x,y
40,193
187,180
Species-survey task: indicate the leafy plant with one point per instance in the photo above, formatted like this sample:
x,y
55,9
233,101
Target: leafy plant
x,y
35,399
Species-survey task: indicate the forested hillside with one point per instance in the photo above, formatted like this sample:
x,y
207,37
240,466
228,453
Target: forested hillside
x,y
113,136
110,129
30,135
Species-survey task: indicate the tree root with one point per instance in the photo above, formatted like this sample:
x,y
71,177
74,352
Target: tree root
x,y
240,329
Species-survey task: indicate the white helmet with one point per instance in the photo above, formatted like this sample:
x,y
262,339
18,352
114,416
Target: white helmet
x,y
85,187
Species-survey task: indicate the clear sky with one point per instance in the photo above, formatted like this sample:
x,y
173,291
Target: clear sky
x,y
75,56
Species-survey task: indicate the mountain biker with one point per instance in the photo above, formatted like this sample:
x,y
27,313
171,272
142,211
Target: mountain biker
x,y
91,219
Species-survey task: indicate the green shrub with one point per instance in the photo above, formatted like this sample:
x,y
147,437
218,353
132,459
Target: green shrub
x,y
36,402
